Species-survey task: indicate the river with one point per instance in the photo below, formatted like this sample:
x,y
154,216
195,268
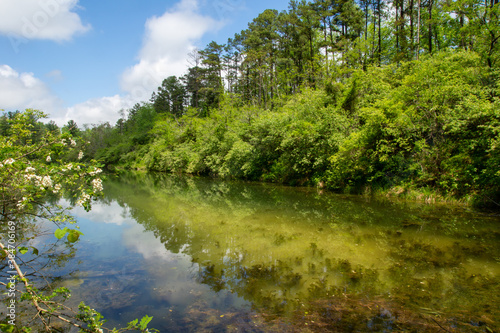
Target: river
x,y
203,255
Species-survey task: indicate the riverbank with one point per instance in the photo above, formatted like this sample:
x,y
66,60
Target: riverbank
x,y
426,130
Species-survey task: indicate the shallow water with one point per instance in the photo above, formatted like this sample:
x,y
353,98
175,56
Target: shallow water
x,y
205,255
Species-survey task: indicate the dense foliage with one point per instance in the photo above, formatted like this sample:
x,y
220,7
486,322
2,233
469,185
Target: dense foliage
x,y
316,43
38,167
401,97
425,127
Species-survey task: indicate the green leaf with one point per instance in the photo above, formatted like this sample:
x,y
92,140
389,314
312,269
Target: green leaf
x,y
35,250
22,250
73,236
144,322
59,233
7,328
133,323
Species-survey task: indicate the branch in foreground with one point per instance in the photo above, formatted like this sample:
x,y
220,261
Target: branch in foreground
x,y
34,300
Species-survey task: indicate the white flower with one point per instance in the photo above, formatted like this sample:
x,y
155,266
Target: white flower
x,y
21,203
73,143
47,181
48,159
57,188
84,198
29,176
95,172
1,165
80,155
69,166
9,161
63,141
97,185
29,169
38,179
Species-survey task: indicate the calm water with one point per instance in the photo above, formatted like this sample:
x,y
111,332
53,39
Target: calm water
x,y
204,255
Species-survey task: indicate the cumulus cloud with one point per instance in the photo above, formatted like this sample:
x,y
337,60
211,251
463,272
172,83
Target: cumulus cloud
x,y
19,91
40,19
97,110
167,41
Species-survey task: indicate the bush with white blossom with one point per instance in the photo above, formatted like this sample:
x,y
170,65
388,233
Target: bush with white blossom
x,y
31,171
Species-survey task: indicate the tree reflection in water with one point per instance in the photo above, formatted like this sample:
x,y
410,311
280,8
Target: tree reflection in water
x,y
314,261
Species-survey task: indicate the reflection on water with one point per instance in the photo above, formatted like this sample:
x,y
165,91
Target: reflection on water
x,y
199,254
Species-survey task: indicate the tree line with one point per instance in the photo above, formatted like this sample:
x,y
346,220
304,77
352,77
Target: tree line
x,y
313,43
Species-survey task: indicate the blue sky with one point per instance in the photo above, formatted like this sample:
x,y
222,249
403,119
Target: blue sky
x,y
86,60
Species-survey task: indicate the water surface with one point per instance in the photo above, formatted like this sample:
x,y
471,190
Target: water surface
x,y
207,255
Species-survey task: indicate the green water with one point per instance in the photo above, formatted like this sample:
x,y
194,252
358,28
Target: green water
x,y
206,255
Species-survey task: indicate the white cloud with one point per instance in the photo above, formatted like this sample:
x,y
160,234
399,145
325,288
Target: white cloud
x,y
40,19
94,111
134,236
55,75
168,40
19,91
110,213
146,243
